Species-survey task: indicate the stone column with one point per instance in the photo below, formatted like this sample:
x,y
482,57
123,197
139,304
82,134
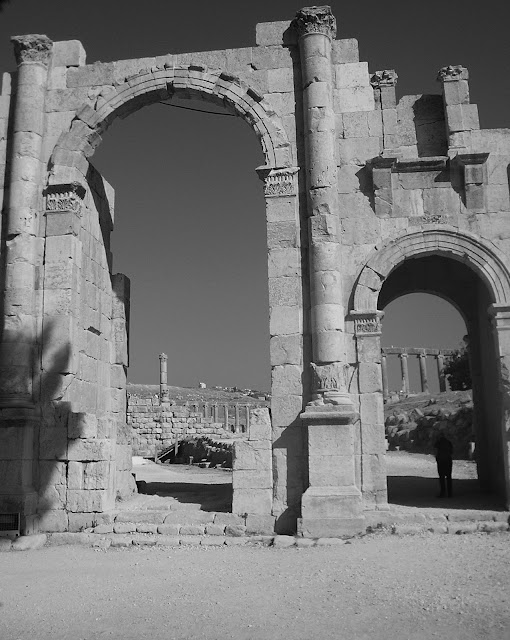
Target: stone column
x,y
422,357
22,257
23,249
225,416
163,378
405,372
440,372
237,427
332,503
384,371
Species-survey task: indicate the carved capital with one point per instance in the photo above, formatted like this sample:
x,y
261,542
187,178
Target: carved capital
x,y
32,48
452,73
163,357
315,20
61,198
278,182
385,78
367,323
329,377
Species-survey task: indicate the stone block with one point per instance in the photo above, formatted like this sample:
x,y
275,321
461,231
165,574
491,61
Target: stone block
x,y
373,438
331,470
68,53
274,33
286,349
353,74
215,529
195,517
445,202
82,521
192,530
355,125
252,501
89,450
252,479
235,530
53,443
462,117
91,75
228,519
282,234
285,410
285,291
167,541
260,524
355,98
287,380
358,150
53,520
124,527
255,454
260,424
344,51
282,210
145,527
280,80
87,501
285,320
330,440
82,425
284,263
370,377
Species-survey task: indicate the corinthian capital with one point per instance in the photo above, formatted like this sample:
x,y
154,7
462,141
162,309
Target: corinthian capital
x,y
315,20
452,73
32,48
386,78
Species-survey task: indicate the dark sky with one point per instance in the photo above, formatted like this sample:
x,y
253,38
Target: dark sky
x,y
189,229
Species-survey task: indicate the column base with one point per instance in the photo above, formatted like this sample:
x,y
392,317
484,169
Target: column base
x,y
331,512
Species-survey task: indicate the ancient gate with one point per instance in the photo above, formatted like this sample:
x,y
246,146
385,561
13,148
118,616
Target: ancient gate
x,y
364,197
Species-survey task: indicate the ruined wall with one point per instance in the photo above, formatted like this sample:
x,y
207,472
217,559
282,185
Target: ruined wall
x,y
155,425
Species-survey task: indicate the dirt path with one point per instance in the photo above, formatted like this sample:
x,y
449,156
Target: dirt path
x,y
408,588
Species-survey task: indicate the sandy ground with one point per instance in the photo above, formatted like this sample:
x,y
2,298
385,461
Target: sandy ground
x,y
398,588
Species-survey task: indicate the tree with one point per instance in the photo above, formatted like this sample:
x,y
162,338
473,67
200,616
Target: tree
x,y
457,370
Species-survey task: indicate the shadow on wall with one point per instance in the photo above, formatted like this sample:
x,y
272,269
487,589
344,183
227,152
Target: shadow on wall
x,y
34,452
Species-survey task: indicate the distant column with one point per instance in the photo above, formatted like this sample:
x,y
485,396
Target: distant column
x,y
384,370
247,408
215,412
163,378
440,372
405,372
423,372
237,421
225,415
206,410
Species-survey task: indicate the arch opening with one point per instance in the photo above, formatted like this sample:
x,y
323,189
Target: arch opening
x,y
460,285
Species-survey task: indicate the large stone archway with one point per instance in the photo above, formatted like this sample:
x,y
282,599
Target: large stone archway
x,y
484,305
356,183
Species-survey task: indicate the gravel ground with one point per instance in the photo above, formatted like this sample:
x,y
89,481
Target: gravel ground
x,y
397,588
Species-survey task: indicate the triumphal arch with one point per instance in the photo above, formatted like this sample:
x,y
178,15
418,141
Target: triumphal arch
x,y
367,198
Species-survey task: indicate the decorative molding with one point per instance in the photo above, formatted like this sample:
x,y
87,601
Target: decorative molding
x,y
61,198
315,20
367,323
452,73
385,78
429,218
329,377
32,48
278,182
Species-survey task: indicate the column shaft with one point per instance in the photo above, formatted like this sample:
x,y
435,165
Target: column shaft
x,y
163,378
384,371
440,372
423,373
405,372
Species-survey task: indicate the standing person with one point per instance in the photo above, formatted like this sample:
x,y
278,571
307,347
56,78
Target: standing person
x,y
444,459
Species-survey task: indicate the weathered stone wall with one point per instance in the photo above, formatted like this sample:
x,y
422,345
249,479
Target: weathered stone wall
x,y
155,425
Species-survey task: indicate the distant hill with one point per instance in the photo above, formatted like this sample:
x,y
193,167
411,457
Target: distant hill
x,y
183,394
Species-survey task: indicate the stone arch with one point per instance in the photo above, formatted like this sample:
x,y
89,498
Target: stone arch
x,y
486,260
160,83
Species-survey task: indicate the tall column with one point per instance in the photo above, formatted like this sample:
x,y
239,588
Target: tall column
x,y
422,357
237,427
440,372
22,252
384,371
225,417
22,257
405,372
332,503
163,378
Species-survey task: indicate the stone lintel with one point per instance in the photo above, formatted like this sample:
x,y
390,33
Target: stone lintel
x,y
415,351
472,158
452,73
367,323
433,163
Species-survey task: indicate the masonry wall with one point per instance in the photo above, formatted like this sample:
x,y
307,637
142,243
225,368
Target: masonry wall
x,y
155,426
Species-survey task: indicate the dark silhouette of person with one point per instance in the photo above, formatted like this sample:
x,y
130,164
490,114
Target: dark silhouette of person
x,y
444,459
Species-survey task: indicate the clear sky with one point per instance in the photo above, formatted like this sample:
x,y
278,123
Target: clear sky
x,y
189,228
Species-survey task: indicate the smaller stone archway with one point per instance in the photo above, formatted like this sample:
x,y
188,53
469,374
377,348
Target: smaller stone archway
x,y
472,275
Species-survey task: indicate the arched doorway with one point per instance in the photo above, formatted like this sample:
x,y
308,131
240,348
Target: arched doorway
x,y
471,275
